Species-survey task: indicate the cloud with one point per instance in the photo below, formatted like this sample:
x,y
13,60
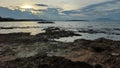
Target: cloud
x,y
53,14
107,6
5,12
64,4
48,14
105,10
109,9
44,5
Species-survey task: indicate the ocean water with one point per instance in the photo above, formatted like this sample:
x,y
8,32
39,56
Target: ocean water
x,y
34,28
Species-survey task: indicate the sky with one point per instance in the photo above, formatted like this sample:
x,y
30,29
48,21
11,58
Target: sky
x,y
61,9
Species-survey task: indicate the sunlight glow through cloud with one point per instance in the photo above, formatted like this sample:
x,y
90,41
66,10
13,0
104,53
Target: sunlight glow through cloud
x,y
27,7
63,9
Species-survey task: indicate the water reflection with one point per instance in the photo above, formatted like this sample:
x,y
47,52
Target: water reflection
x,y
34,28
88,36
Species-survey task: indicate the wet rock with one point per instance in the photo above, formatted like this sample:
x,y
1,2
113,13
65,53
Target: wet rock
x,y
102,30
54,32
91,31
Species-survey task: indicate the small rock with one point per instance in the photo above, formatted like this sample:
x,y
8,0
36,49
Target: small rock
x,y
115,54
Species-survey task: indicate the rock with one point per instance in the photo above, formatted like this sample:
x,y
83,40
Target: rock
x,y
103,51
55,32
115,54
45,62
98,49
98,66
45,22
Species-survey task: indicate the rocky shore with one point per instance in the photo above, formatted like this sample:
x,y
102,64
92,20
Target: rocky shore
x,y
109,31
39,61
22,50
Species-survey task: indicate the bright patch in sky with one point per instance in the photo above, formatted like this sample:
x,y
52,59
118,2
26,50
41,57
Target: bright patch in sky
x,y
27,7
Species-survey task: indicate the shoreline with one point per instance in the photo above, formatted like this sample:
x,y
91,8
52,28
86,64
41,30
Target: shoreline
x,y
18,49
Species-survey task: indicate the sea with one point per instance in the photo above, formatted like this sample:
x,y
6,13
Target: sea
x,y
112,28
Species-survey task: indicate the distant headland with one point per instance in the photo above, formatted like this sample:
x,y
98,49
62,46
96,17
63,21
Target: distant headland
x,y
12,19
